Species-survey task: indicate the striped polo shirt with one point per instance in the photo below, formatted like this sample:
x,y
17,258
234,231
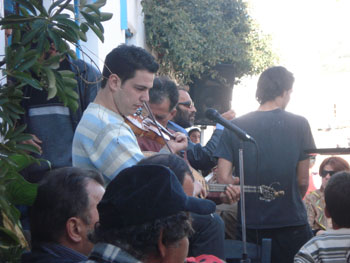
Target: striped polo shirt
x,y
104,142
331,246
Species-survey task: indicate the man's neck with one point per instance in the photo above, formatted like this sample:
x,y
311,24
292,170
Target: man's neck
x,y
271,105
105,99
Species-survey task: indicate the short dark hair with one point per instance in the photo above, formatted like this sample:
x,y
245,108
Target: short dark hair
x,y
337,197
164,88
273,82
124,60
337,163
172,161
141,241
193,130
61,195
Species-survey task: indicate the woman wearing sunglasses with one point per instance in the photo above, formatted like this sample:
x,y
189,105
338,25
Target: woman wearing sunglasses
x,y
314,201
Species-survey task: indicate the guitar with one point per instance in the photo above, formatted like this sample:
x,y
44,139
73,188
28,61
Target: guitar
x,y
266,193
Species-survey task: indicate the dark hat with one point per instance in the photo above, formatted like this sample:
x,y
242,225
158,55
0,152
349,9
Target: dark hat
x,y
143,193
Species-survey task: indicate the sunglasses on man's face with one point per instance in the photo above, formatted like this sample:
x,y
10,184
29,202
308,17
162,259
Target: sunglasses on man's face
x,y
325,172
188,104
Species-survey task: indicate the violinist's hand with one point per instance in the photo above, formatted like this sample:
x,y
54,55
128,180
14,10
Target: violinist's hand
x,y
179,143
232,193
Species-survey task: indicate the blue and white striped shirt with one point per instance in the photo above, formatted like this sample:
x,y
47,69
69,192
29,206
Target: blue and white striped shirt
x,y
331,246
104,142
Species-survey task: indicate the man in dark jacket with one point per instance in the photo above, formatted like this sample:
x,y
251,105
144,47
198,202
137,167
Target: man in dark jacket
x,y
64,213
52,124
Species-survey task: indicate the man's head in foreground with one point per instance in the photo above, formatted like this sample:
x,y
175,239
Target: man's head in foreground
x,y
65,209
337,197
144,213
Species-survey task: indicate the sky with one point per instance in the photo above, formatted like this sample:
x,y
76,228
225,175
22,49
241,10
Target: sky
x,y
312,40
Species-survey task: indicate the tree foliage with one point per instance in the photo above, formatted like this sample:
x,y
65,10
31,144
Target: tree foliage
x,y
34,30
191,37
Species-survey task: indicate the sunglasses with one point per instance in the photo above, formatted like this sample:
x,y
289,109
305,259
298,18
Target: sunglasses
x,y
325,172
188,104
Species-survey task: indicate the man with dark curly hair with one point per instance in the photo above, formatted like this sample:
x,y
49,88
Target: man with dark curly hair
x,y
143,218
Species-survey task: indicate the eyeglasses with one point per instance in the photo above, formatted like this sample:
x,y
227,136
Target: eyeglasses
x,y
325,172
188,104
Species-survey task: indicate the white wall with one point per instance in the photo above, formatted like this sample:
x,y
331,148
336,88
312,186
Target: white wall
x,y
113,35
135,21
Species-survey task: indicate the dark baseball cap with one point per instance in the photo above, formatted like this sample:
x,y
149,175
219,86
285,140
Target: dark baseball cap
x,y
143,193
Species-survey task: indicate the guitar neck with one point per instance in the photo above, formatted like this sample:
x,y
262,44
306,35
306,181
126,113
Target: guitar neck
x,y
222,187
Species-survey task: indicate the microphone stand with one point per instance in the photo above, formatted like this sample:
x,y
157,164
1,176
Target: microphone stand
x,y
245,258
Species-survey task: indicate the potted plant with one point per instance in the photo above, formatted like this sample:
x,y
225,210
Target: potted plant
x,y
34,28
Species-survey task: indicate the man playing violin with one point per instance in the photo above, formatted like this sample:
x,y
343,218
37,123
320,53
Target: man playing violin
x,y
103,141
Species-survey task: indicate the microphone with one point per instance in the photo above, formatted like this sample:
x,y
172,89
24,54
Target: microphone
x,y
213,115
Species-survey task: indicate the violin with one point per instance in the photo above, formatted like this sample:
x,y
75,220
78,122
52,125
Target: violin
x,y
145,126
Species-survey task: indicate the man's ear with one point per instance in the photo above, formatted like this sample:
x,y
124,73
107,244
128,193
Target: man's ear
x,y
161,247
173,113
114,82
74,229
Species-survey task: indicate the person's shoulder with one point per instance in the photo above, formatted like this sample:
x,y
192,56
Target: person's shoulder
x,y
246,117
330,238
294,116
98,118
330,243
82,66
313,196
43,257
175,127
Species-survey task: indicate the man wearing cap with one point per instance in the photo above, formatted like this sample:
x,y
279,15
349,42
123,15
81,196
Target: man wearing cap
x,y
209,229
143,218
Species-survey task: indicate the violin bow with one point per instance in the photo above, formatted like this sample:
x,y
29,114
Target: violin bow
x,y
156,124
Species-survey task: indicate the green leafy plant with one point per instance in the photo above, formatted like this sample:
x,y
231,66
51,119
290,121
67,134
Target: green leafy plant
x,y
34,31
191,37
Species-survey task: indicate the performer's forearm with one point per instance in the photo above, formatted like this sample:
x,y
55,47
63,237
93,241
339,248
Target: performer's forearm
x,y
303,176
303,189
224,173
